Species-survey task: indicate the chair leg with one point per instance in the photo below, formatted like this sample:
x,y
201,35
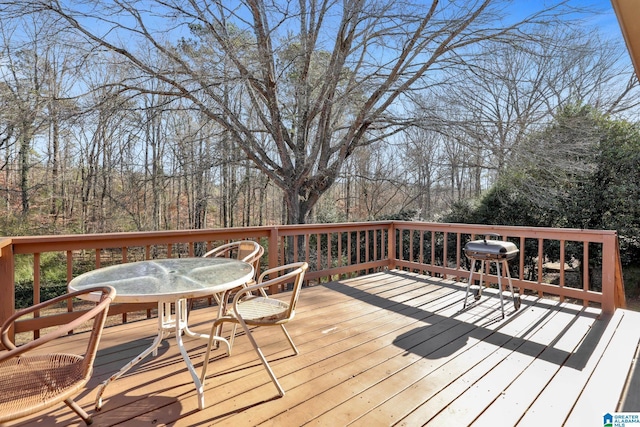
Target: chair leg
x,y
221,309
232,338
212,338
293,346
262,358
78,410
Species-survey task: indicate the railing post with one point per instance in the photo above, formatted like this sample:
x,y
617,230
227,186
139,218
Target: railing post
x,y
273,247
392,245
620,299
7,285
609,273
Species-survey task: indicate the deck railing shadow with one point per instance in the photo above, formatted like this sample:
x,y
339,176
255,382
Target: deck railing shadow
x,y
430,341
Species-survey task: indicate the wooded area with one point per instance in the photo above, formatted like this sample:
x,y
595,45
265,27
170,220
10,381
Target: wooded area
x,y
147,115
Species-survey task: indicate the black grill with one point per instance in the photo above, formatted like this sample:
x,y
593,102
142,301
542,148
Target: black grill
x,y
487,251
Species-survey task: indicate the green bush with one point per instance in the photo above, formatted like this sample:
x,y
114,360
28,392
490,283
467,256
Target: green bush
x,y
24,293
53,277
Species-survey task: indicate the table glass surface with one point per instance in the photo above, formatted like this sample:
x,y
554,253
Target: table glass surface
x,y
167,279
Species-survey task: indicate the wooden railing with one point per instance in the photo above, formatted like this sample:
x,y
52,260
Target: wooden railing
x,y
343,250
547,256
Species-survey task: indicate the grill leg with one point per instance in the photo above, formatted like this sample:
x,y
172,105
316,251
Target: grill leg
x,y
466,295
500,287
477,294
483,265
483,268
516,298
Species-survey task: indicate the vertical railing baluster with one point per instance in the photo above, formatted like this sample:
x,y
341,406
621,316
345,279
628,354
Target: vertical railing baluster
x,y
359,245
445,252
349,248
585,266
339,249
329,247
366,246
522,254
433,251
36,289
318,252
307,238
561,284
540,262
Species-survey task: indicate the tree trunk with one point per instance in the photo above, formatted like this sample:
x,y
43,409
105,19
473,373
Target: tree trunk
x,y
55,161
25,145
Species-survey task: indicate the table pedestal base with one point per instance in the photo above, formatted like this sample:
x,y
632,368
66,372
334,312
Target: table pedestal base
x,y
167,324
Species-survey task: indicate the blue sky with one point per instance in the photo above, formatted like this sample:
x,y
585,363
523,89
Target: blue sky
x,y
605,18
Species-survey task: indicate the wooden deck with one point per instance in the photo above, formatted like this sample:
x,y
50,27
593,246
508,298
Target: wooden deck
x,y
391,348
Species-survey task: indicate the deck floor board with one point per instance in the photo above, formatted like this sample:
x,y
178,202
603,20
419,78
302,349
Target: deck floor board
x,y
390,348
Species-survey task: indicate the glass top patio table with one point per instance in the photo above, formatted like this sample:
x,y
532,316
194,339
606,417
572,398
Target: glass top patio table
x,y
167,281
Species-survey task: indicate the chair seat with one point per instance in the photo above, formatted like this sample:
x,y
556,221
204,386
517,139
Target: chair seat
x,y
258,310
34,381
32,377
249,309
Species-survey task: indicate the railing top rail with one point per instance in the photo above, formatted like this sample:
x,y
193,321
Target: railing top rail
x,y
533,232
331,227
34,244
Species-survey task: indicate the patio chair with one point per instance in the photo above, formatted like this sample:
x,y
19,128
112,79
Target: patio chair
x,y
249,309
243,250
32,378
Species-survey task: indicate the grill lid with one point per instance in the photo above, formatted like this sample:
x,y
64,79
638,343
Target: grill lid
x,y
490,249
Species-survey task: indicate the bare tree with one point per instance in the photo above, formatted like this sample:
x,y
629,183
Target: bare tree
x,y
104,155
514,90
39,76
421,151
60,108
25,76
322,78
